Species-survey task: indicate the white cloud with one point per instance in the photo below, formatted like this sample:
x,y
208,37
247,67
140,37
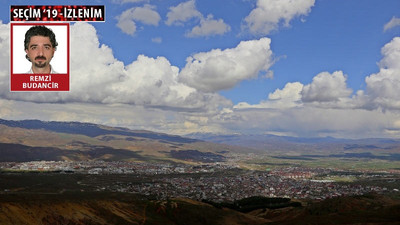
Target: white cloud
x,y
223,69
209,27
328,91
326,87
151,82
146,14
383,87
6,109
4,56
325,107
126,24
391,55
394,22
121,115
183,12
310,121
288,97
146,81
268,14
291,91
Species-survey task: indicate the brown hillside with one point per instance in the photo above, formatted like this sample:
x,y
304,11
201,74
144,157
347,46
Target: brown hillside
x,y
145,145
370,209
114,208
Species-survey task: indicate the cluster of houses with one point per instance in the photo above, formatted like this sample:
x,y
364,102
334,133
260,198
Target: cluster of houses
x,y
213,181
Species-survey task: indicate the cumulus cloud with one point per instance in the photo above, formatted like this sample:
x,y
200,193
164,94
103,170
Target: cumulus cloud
x,y
150,82
326,106
146,81
310,121
288,97
223,69
181,13
326,87
146,14
394,22
383,87
269,14
391,55
291,92
208,27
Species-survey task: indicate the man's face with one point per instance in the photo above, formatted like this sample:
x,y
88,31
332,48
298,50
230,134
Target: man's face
x,y
40,51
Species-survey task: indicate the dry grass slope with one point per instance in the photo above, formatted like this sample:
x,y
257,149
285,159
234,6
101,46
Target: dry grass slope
x,y
100,210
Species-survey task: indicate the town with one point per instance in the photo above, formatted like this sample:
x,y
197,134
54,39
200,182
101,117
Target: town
x,y
218,182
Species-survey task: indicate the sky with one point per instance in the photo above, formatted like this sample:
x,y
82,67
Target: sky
x,y
304,68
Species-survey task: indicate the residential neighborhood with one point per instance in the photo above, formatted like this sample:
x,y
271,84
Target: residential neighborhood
x,y
217,182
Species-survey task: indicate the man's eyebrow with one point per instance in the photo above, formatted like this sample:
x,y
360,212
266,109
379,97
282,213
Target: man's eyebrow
x,y
35,45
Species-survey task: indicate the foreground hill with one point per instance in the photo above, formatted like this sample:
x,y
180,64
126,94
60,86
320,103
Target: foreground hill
x,y
28,140
112,208
369,209
117,208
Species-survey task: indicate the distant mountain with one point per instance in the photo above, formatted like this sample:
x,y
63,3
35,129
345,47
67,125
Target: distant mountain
x,y
254,137
91,130
273,143
28,140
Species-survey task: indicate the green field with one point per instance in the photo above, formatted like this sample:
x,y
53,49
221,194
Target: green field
x,y
265,162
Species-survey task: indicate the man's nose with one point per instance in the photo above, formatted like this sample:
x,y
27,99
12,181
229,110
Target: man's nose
x,y
40,51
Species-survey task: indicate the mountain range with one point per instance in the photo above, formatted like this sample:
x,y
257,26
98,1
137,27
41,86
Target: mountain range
x,y
28,140
281,144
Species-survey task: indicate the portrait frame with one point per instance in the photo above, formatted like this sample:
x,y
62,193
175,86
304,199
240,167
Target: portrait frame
x,y
20,66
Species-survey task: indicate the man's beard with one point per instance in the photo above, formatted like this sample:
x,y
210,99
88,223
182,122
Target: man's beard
x,y
40,64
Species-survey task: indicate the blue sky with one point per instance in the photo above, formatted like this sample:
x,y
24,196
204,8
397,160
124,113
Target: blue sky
x,y
228,66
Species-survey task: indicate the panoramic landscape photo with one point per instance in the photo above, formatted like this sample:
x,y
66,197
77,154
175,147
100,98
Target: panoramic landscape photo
x,y
204,112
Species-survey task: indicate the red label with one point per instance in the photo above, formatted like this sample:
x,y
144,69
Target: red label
x,y
39,82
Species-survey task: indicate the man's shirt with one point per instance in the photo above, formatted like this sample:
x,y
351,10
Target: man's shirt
x,y
51,71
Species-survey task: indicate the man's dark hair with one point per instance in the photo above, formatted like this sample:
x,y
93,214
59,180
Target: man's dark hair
x,y
40,31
